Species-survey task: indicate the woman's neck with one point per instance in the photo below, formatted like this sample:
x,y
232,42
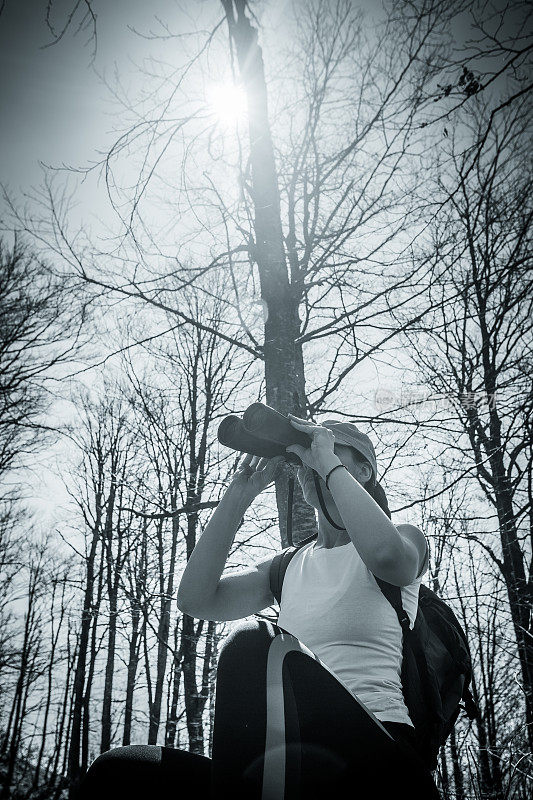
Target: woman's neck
x,y
328,536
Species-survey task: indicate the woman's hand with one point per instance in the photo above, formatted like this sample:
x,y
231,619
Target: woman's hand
x,y
255,474
320,456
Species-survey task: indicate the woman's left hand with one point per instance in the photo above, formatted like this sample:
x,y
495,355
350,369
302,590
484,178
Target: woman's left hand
x,y
320,456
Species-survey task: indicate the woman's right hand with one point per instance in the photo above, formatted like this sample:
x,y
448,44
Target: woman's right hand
x,y
254,474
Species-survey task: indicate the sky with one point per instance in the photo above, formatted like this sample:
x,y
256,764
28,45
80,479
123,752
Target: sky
x,y
55,109
49,97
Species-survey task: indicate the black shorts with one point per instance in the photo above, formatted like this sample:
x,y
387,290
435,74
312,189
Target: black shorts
x,y
285,728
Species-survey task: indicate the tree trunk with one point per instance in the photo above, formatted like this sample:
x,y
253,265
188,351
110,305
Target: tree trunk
x,y
444,777
50,671
195,698
133,661
457,768
284,368
172,719
512,568
61,743
112,590
518,589
163,629
18,711
212,683
74,772
85,728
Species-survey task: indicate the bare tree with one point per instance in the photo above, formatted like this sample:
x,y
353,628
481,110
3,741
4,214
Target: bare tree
x,y
317,225
26,664
40,329
175,420
475,351
102,443
136,592
121,453
57,597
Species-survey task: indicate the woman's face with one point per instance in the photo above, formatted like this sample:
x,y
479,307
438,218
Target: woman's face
x,y
361,473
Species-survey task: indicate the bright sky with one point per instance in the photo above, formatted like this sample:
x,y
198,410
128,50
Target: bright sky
x,y
54,108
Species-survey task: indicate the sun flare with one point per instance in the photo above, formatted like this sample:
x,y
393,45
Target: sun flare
x,y
227,102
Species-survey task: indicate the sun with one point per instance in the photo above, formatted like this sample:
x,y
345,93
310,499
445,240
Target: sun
x,y
227,102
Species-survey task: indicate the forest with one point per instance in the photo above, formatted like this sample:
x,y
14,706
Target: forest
x,y
322,206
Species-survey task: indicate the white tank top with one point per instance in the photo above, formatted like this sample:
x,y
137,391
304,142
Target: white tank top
x,y
331,602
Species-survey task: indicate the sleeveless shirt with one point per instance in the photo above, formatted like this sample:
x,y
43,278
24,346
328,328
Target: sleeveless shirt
x,y
331,602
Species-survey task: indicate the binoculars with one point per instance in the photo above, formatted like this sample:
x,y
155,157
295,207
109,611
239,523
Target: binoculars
x,y
262,431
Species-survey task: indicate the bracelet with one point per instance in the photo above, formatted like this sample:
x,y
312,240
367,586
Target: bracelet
x,y
332,469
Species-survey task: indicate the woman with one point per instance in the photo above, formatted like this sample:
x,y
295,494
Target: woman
x,y
313,705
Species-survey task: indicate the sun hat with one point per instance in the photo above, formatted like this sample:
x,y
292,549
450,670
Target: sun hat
x,y
349,434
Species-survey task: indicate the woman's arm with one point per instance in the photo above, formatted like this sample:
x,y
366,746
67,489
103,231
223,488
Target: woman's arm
x,y
394,554
200,579
201,592
391,553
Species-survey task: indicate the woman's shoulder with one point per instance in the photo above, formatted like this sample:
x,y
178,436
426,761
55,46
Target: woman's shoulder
x,y
414,535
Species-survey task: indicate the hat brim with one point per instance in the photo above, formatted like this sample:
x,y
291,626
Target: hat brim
x,y
341,439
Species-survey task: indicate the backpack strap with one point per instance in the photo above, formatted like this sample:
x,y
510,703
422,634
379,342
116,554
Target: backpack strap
x,y
322,504
411,639
278,568
394,596
279,565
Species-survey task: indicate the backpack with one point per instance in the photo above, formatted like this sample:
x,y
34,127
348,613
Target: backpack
x,y
436,663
